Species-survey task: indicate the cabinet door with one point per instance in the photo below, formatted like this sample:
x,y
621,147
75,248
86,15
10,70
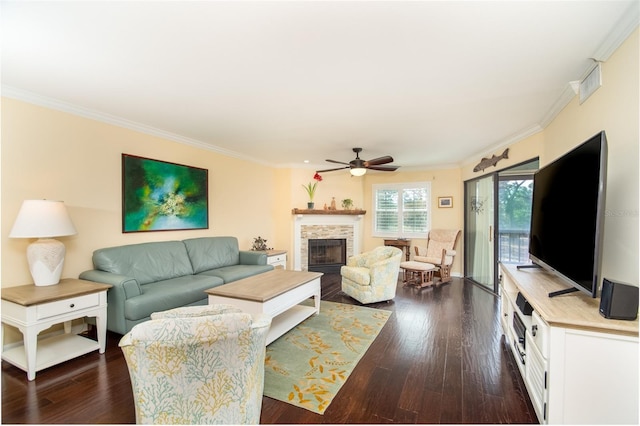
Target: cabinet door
x,y
536,379
594,378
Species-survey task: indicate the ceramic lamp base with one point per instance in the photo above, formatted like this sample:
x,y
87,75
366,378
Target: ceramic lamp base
x,y
46,259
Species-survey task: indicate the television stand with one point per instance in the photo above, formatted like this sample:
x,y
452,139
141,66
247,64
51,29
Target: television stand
x,y
573,355
561,292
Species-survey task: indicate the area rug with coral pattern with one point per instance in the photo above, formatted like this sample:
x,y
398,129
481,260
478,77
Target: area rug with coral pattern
x,y
308,365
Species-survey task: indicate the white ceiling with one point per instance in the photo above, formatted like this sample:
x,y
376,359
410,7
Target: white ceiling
x,y
431,83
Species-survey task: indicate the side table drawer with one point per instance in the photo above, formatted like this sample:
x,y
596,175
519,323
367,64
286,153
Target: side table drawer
x,y
60,307
277,258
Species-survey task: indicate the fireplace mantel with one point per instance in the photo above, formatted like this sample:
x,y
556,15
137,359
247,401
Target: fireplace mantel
x,y
333,212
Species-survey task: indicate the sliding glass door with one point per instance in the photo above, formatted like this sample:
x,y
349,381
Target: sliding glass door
x,y
480,265
497,214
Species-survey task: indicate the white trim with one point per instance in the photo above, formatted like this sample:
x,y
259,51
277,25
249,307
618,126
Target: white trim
x,y
33,98
400,187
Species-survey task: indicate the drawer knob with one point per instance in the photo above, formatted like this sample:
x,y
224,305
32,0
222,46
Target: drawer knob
x,y
534,330
73,305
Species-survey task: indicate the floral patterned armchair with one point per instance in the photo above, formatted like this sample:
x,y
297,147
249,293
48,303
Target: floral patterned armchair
x,y
197,365
372,276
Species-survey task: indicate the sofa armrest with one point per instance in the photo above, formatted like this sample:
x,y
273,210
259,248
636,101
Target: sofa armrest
x,y
122,288
248,257
126,287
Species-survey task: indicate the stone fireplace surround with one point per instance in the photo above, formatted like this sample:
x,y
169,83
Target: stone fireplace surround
x,y
311,226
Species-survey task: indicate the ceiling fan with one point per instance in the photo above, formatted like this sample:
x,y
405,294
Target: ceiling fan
x,y
358,167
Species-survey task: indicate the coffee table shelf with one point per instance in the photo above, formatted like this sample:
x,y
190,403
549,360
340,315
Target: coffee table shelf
x,y
282,323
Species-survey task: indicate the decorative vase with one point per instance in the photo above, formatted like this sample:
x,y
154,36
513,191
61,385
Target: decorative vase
x,y
310,205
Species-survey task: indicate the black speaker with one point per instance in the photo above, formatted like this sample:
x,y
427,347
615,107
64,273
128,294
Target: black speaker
x,y
618,301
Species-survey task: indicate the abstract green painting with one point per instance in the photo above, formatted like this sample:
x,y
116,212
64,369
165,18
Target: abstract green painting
x,y
163,196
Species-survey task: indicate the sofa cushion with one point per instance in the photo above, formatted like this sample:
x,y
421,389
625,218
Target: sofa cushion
x,y
146,262
167,294
212,252
237,272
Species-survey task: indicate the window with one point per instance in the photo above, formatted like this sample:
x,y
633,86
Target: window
x,y
401,210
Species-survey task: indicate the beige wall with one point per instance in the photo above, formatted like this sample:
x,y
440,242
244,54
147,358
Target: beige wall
x,y
55,155
613,108
59,156
444,183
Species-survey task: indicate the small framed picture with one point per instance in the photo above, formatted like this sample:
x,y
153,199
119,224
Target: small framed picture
x,y
445,202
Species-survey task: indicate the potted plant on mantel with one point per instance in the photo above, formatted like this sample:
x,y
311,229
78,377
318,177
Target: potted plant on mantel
x,y
311,189
347,203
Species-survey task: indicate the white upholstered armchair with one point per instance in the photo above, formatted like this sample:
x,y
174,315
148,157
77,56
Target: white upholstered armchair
x,y
197,365
439,251
372,276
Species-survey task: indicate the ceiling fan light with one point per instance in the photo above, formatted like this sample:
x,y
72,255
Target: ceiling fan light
x,y
358,171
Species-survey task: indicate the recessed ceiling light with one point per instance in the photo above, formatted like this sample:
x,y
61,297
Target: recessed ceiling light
x,y
306,161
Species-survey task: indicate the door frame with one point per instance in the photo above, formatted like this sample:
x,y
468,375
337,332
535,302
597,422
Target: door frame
x,y
496,222
467,244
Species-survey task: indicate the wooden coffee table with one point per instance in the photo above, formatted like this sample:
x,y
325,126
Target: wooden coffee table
x,y
277,293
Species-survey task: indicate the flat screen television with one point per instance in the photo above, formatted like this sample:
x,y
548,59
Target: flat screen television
x,y
567,217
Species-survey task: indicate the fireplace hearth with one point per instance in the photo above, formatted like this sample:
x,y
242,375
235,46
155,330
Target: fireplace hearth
x,y
327,255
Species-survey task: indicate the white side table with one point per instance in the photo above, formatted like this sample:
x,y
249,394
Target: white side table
x,y
32,309
277,258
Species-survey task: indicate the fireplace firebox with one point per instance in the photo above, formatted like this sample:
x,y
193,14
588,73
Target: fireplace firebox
x,y
327,255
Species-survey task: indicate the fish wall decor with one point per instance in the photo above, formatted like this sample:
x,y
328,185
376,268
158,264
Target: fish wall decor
x,y
487,162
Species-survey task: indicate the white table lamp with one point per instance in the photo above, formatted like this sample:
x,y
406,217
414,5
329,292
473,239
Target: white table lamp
x,y
44,219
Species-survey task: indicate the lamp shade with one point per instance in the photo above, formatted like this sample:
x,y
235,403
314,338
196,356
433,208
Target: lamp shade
x,y
358,171
42,219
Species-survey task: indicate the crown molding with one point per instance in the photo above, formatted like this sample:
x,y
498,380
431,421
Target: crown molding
x,y
621,31
504,143
55,104
568,93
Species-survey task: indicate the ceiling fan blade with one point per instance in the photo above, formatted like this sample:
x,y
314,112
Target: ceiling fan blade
x,y
331,170
377,161
338,162
383,168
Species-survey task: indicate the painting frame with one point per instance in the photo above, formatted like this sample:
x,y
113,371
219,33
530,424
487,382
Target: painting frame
x,y
163,196
445,202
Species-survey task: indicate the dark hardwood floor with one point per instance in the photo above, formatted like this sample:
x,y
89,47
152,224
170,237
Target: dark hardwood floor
x,y
439,359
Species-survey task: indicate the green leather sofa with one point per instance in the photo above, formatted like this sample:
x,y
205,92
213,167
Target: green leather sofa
x,y
154,277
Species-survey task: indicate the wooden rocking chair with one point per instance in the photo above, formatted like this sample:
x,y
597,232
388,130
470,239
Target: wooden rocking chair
x,y
439,251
